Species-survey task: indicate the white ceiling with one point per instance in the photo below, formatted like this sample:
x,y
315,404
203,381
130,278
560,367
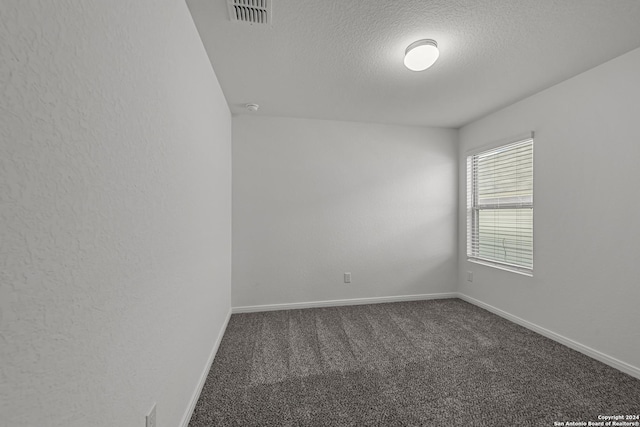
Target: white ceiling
x,y
342,59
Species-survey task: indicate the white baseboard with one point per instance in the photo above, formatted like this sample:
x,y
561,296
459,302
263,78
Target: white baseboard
x,y
594,354
338,302
203,377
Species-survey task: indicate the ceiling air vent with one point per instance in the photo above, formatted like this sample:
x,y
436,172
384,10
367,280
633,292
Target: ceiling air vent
x,y
250,11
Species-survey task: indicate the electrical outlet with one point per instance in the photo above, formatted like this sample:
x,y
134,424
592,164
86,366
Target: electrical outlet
x,y
469,276
347,277
151,417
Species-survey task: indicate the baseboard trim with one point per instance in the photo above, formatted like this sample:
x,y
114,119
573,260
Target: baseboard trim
x,y
594,354
340,302
203,377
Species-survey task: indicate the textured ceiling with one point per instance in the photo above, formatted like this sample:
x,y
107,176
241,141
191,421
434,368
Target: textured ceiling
x,y
343,59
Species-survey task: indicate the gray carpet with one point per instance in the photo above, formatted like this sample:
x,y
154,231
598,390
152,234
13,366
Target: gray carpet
x,y
423,363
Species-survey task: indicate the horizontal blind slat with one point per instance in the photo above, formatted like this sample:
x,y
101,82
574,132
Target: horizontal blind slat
x,y
500,205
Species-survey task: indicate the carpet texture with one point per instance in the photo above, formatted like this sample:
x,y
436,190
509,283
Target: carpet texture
x,y
422,363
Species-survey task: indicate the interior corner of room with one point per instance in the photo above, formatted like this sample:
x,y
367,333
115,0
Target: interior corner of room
x,y
164,167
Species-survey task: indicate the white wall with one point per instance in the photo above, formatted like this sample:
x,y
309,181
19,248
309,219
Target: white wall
x,y
115,178
587,214
313,199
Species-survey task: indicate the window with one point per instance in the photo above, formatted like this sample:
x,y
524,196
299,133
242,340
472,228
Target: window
x,y
500,206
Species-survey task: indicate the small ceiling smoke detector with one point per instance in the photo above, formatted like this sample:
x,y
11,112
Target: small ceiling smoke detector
x,y
252,107
250,11
421,55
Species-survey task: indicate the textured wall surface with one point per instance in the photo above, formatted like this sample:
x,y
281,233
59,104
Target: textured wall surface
x,y
313,199
115,212
585,279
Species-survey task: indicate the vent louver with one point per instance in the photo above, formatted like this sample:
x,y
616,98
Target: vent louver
x,y
250,11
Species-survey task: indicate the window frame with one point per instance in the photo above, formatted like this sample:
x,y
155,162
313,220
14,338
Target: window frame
x,y
473,208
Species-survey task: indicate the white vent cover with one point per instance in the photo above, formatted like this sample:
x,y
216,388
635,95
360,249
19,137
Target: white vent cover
x,y
250,11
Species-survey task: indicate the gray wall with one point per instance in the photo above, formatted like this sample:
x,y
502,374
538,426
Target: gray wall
x,y
115,179
313,199
587,213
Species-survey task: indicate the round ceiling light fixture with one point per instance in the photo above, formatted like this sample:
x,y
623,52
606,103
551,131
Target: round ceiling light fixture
x,y
421,55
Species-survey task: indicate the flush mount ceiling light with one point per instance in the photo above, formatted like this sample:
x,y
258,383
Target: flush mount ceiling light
x,y
421,55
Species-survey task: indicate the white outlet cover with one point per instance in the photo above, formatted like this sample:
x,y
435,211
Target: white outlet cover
x,y
151,417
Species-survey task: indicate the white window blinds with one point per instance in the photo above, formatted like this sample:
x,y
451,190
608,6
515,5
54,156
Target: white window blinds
x,y
500,206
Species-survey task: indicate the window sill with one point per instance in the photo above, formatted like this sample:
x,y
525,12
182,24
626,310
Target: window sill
x,y
501,267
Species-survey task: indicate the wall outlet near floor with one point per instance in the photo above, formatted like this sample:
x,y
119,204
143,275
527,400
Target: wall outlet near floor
x,y
151,417
469,276
347,277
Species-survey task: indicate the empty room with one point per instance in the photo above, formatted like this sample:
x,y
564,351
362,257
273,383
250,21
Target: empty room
x,y
319,213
